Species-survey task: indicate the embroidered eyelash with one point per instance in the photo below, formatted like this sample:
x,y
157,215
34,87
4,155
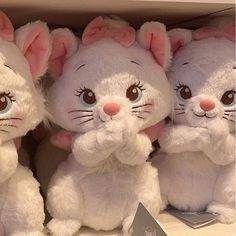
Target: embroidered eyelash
x,y
140,86
11,97
178,86
80,91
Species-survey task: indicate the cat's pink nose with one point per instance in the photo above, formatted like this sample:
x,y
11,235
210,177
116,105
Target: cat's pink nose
x,y
207,105
111,109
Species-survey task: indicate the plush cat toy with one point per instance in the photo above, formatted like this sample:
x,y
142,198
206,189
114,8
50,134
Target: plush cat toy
x,y
196,170
107,89
23,58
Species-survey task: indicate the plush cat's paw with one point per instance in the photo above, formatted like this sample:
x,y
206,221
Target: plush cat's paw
x,y
58,227
218,132
127,229
116,133
110,135
227,214
130,129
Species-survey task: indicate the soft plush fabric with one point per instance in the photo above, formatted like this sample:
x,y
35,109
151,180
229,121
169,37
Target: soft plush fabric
x,y
106,93
196,165
21,109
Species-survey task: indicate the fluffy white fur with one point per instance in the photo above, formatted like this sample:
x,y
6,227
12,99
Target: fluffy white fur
x,y
196,165
21,206
106,175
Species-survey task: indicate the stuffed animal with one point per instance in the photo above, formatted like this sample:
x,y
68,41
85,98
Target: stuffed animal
x,y
55,148
196,166
107,89
23,58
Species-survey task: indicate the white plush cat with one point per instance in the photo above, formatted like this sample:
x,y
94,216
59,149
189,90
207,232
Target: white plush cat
x,y
23,58
110,87
196,167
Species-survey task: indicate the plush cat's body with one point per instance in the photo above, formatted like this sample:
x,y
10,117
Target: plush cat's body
x,y
197,163
101,197
108,91
23,57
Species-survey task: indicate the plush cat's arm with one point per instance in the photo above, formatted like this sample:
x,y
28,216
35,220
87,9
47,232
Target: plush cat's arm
x,y
96,145
221,146
8,160
135,150
182,138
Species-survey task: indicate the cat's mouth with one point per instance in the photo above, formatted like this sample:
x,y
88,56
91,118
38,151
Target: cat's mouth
x,y
204,115
103,121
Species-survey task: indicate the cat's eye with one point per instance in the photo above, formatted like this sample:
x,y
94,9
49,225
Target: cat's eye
x,y
228,98
87,97
5,102
135,92
183,92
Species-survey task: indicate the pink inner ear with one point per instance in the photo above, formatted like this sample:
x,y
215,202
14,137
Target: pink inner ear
x,y
57,59
94,31
36,50
155,41
176,43
6,27
204,32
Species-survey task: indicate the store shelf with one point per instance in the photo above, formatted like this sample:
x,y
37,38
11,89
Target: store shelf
x,y
77,13
175,227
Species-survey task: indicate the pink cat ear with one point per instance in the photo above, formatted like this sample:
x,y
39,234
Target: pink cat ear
x,y
228,31
179,38
34,41
64,45
6,27
63,139
153,36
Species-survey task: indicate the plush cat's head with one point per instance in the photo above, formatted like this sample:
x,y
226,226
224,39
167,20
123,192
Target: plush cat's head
x,y
203,76
114,73
23,58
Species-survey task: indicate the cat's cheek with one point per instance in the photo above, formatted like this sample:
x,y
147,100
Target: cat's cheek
x,y
17,122
150,101
18,116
